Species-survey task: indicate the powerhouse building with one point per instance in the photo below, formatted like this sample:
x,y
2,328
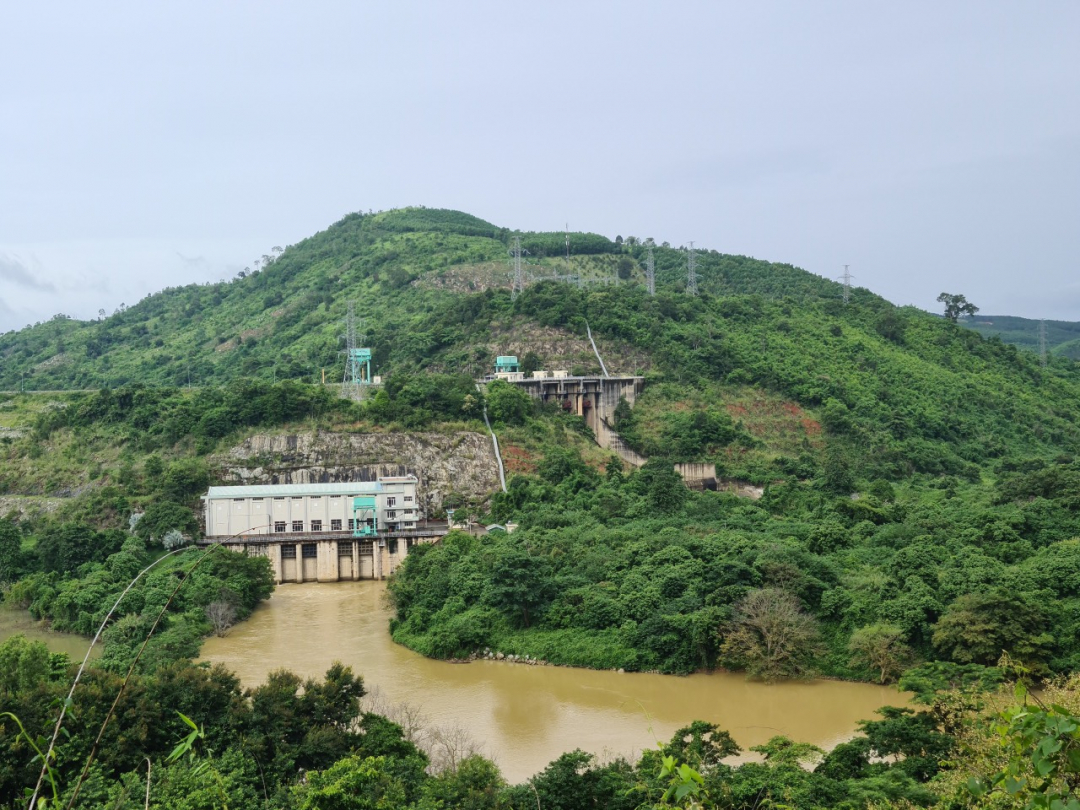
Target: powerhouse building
x,y
360,508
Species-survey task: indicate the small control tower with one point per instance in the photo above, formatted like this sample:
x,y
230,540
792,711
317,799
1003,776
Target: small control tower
x,y
365,519
506,368
359,370
506,364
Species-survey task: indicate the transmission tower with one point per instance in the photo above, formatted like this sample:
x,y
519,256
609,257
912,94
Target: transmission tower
x,y
357,359
846,278
691,271
650,267
518,270
1042,343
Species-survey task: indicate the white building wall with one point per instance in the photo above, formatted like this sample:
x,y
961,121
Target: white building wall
x,y
227,516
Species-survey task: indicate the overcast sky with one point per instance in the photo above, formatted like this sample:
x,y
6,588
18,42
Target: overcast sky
x,y
932,146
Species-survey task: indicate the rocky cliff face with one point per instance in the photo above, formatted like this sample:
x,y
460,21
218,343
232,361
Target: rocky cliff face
x,y
463,463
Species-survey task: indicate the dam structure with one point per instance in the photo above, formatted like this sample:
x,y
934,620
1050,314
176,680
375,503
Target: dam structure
x,y
321,532
593,398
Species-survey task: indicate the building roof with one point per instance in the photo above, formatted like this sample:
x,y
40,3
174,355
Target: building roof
x,y
296,490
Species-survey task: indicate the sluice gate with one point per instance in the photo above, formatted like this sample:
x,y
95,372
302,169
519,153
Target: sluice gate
x,y
324,557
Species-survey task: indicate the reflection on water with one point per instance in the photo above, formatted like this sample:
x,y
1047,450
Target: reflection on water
x,y
525,715
14,622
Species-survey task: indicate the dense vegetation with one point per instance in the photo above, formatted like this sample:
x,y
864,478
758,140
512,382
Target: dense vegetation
x,y
190,737
639,573
919,509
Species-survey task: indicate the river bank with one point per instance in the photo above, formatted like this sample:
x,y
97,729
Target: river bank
x,y
526,716
14,621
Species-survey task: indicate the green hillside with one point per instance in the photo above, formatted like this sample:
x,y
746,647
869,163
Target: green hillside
x,y
408,272
909,466
1062,337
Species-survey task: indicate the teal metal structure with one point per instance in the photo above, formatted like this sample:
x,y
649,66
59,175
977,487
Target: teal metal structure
x,y
365,519
506,363
359,367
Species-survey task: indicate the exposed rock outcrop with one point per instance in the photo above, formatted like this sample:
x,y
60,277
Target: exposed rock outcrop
x,y
462,462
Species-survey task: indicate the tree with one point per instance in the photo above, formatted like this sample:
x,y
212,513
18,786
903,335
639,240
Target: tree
x,y
23,664
161,517
474,785
65,547
979,627
701,745
956,305
771,636
530,363
507,403
661,485
222,615
11,557
1034,748
185,478
881,647
519,585
352,784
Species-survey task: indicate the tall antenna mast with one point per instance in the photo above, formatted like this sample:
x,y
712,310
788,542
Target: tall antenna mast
x,y
691,271
519,272
650,267
1042,343
847,277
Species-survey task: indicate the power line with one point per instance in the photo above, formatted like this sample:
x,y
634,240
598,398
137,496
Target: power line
x,y
1042,343
357,358
519,271
650,267
691,271
846,278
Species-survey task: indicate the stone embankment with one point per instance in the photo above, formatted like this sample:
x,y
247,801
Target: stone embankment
x,y
488,654
461,462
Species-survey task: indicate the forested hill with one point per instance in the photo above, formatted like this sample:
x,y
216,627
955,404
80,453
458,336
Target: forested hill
x,y
432,288
414,274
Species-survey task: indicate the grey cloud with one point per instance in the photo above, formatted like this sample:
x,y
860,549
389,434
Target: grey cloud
x,y
15,271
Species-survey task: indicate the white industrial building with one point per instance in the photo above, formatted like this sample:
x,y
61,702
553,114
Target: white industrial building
x,y
361,508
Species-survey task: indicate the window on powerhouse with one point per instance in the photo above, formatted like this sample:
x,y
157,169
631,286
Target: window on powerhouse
x,y
316,525
335,525
298,525
279,527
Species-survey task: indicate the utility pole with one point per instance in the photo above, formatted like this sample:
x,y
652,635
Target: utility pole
x,y
691,271
650,267
519,272
1042,343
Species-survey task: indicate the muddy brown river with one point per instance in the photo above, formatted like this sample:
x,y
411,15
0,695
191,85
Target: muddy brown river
x,y
525,716
16,622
